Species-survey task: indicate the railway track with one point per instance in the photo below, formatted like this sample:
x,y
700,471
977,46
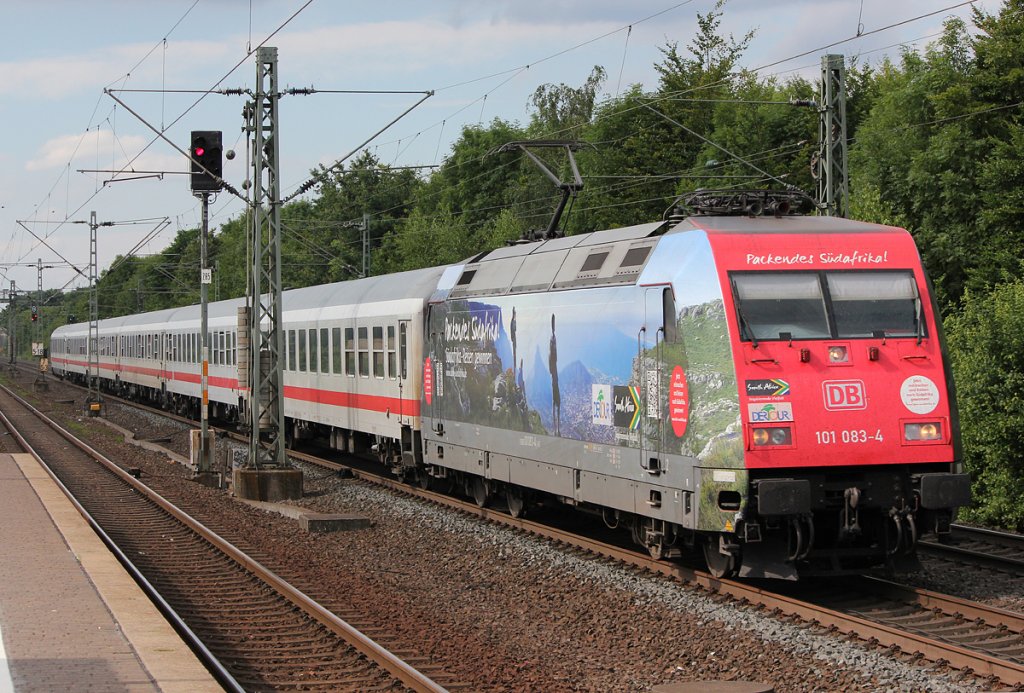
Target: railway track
x,y
985,547
939,628
259,633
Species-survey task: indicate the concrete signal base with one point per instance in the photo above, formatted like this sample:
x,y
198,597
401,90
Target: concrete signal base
x,y
269,485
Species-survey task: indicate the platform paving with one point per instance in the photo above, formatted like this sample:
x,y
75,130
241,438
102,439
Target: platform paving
x,y
71,618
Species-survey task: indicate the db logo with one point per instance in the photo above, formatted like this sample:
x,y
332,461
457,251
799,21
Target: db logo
x,y
844,394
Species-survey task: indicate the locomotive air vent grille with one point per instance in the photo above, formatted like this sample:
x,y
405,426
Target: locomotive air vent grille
x,y
592,265
634,260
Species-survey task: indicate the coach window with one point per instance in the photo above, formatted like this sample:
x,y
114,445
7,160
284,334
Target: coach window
x,y
364,353
378,352
325,351
302,351
234,348
392,366
780,305
291,350
312,351
336,350
877,303
350,351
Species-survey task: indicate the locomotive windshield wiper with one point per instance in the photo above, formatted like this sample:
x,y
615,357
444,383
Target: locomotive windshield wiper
x,y
745,324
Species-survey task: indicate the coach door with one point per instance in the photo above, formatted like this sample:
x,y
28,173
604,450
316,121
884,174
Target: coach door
x,y
659,312
400,370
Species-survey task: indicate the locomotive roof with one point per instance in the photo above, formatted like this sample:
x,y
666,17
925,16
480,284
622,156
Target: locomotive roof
x,y
784,224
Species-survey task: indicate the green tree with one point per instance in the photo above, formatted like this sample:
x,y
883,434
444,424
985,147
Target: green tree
x,y
561,111
986,340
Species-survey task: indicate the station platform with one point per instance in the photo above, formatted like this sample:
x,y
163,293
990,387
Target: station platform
x,y
71,617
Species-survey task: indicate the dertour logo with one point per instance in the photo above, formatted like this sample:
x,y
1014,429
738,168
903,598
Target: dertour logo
x,y
770,413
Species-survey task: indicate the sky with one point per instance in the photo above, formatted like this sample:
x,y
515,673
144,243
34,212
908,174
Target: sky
x,y
87,85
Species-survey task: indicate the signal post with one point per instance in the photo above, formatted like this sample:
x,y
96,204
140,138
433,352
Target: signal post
x,y
206,153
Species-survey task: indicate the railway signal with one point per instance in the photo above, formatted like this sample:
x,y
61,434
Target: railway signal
x,y
35,314
207,161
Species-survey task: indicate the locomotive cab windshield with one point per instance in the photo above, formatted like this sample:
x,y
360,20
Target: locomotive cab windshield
x,y
787,305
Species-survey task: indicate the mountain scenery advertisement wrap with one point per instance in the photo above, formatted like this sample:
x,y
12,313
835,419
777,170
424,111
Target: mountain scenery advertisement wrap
x,y
528,363
594,365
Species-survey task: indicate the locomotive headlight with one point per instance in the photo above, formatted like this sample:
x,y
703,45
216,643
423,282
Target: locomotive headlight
x,y
919,432
838,354
776,435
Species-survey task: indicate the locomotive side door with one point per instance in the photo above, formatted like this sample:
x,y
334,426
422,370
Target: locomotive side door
x,y
658,330
433,372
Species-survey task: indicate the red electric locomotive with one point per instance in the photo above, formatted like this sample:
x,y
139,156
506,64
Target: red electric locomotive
x,y
850,432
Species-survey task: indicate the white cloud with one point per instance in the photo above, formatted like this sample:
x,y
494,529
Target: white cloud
x,y
101,150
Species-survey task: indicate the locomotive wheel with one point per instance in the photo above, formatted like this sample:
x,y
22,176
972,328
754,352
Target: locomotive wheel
x,y
720,565
478,488
516,502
